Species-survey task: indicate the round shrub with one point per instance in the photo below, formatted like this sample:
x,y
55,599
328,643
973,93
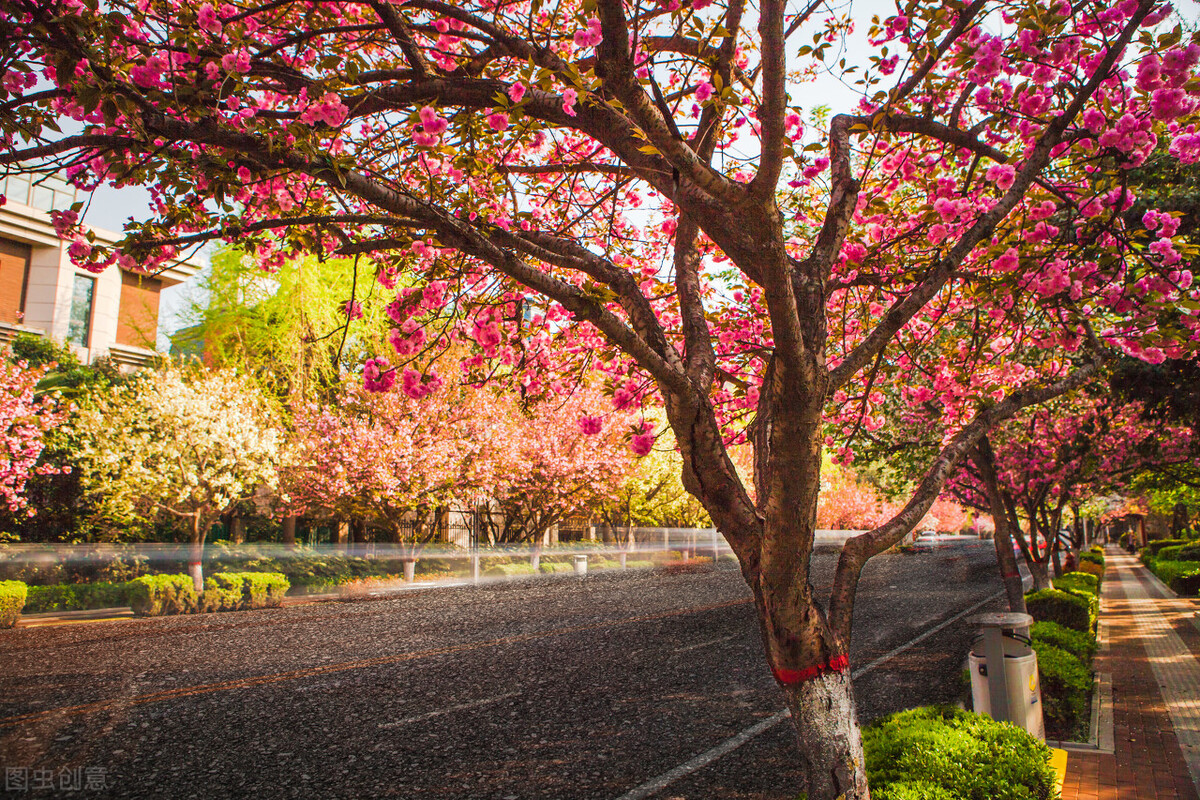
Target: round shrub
x,y
1078,581
1092,556
1066,686
12,600
1077,643
969,756
1066,608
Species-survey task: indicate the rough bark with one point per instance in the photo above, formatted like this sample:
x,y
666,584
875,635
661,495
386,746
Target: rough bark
x,y
827,730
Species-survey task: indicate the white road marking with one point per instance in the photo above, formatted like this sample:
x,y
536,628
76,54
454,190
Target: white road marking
x,y
705,644
737,740
430,715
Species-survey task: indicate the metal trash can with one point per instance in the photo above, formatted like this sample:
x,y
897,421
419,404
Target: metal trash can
x,y
581,564
1013,692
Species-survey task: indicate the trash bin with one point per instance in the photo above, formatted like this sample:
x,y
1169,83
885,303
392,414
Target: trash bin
x,y
581,565
1013,692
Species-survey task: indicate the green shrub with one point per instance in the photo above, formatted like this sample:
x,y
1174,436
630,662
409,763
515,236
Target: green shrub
x,y
556,566
1066,689
1066,608
264,589
508,570
75,597
1091,568
913,790
1189,552
1080,581
603,563
1077,643
1186,584
1175,573
969,756
155,595
222,592
233,591
1156,546
1092,556
12,600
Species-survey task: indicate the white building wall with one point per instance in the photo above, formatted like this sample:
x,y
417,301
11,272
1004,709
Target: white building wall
x,y
46,292
105,305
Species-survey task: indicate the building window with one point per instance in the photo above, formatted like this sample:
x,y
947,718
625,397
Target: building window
x,y
79,332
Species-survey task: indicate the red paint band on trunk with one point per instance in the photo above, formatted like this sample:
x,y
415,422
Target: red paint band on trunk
x,y
193,563
790,677
1008,575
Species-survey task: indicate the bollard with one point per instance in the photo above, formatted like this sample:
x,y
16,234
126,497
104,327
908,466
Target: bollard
x,y
581,564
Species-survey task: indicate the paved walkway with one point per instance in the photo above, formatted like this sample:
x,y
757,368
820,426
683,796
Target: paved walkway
x,y
1153,655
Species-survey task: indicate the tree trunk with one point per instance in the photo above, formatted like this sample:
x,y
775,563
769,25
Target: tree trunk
x,y
289,532
1014,588
1041,575
237,529
196,554
826,724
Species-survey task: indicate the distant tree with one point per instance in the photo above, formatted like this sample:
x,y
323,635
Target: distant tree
x,y
652,495
391,458
298,328
182,446
556,459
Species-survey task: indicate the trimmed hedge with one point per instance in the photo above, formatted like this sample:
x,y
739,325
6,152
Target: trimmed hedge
x,y
156,595
1158,544
556,566
1091,568
1092,556
939,751
1065,608
12,600
1066,692
1173,553
1077,643
1182,576
76,597
508,570
1078,581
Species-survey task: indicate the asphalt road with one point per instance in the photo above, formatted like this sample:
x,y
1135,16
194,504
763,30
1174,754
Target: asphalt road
x,y
553,688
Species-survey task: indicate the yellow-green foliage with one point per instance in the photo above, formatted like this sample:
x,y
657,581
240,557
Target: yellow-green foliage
x,y
12,600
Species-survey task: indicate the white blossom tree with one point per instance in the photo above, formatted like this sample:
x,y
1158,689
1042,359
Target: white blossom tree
x,y
181,446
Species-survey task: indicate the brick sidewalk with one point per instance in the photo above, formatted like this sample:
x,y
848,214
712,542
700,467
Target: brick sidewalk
x,y
1152,655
